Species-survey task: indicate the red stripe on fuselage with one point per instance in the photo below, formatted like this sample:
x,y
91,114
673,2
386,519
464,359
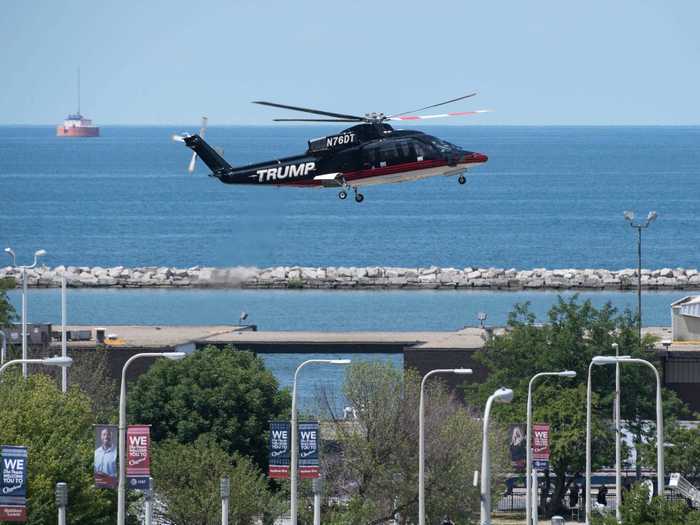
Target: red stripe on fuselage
x,y
375,172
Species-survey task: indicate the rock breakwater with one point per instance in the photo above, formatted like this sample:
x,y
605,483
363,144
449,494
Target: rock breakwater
x,y
373,277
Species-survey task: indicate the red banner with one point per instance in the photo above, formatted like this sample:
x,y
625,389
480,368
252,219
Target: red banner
x,y
138,460
12,513
540,445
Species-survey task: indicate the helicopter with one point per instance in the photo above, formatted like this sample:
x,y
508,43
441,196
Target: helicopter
x,y
368,153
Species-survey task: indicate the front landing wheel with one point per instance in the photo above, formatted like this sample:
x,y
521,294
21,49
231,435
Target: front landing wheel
x,y
462,179
343,195
359,197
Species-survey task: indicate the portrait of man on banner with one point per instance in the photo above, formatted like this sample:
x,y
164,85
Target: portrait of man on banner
x,y
517,446
105,456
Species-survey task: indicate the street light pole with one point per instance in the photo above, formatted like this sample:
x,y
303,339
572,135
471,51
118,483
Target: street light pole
x,y
64,340
48,361
618,438
293,475
37,254
421,437
225,493
660,475
502,395
528,445
607,360
587,495
3,349
629,217
121,487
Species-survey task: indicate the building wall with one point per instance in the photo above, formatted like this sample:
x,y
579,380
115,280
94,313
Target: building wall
x,y
425,360
684,327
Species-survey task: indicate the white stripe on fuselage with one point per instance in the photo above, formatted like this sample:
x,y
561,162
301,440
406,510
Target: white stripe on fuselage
x,y
412,175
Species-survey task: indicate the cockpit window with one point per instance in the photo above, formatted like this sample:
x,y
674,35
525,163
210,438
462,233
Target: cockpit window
x,y
442,145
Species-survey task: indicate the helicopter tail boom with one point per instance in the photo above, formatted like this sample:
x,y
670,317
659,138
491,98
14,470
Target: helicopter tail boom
x,y
214,161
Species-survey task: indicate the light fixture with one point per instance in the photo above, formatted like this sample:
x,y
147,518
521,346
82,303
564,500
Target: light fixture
x,y
503,395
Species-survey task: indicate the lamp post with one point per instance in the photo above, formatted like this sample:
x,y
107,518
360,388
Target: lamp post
x,y
421,437
121,488
48,361
629,217
225,493
618,436
608,360
295,452
528,443
3,348
64,339
61,501
502,395
37,254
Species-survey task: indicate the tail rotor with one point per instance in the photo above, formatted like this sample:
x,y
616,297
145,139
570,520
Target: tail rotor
x,y
193,161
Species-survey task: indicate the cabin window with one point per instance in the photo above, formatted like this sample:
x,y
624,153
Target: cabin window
x,y
429,151
369,156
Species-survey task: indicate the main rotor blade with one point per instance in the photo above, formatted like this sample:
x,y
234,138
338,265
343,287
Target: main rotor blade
x,y
315,120
307,110
433,106
454,114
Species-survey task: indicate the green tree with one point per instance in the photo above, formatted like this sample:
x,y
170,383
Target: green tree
x,y
187,486
638,510
221,393
57,430
574,333
681,451
7,311
375,464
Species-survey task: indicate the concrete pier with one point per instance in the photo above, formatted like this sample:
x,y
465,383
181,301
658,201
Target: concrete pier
x,y
359,278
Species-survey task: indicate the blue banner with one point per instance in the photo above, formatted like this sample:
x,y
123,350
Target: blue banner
x,y
280,446
308,450
13,483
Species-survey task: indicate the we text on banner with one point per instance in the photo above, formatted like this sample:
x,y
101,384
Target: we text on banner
x,y
308,450
540,446
138,441
13,483
280,446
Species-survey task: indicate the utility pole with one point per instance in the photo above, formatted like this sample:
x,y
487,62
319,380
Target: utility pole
x,y
317,487
629,217
225,491
61,501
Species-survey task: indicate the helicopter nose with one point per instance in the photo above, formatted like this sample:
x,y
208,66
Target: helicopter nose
x,y
473,158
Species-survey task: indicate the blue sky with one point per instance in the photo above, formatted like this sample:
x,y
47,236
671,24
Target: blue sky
x,y
538,62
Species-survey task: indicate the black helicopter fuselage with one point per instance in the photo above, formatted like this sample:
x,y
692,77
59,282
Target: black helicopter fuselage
x,y
360,155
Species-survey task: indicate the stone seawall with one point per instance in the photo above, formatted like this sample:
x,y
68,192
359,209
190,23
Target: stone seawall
x,y
373,277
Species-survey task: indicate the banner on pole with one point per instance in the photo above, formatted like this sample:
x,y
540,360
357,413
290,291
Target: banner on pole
x,y
280,446
105,465
540,446
138,461
13,483
309,434
517,445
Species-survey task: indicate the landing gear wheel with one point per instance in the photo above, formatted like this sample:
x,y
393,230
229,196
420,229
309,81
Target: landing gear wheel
x,y
462,179
359,197
343,195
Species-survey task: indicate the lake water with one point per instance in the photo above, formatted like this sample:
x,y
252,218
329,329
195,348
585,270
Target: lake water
x,y
548,197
